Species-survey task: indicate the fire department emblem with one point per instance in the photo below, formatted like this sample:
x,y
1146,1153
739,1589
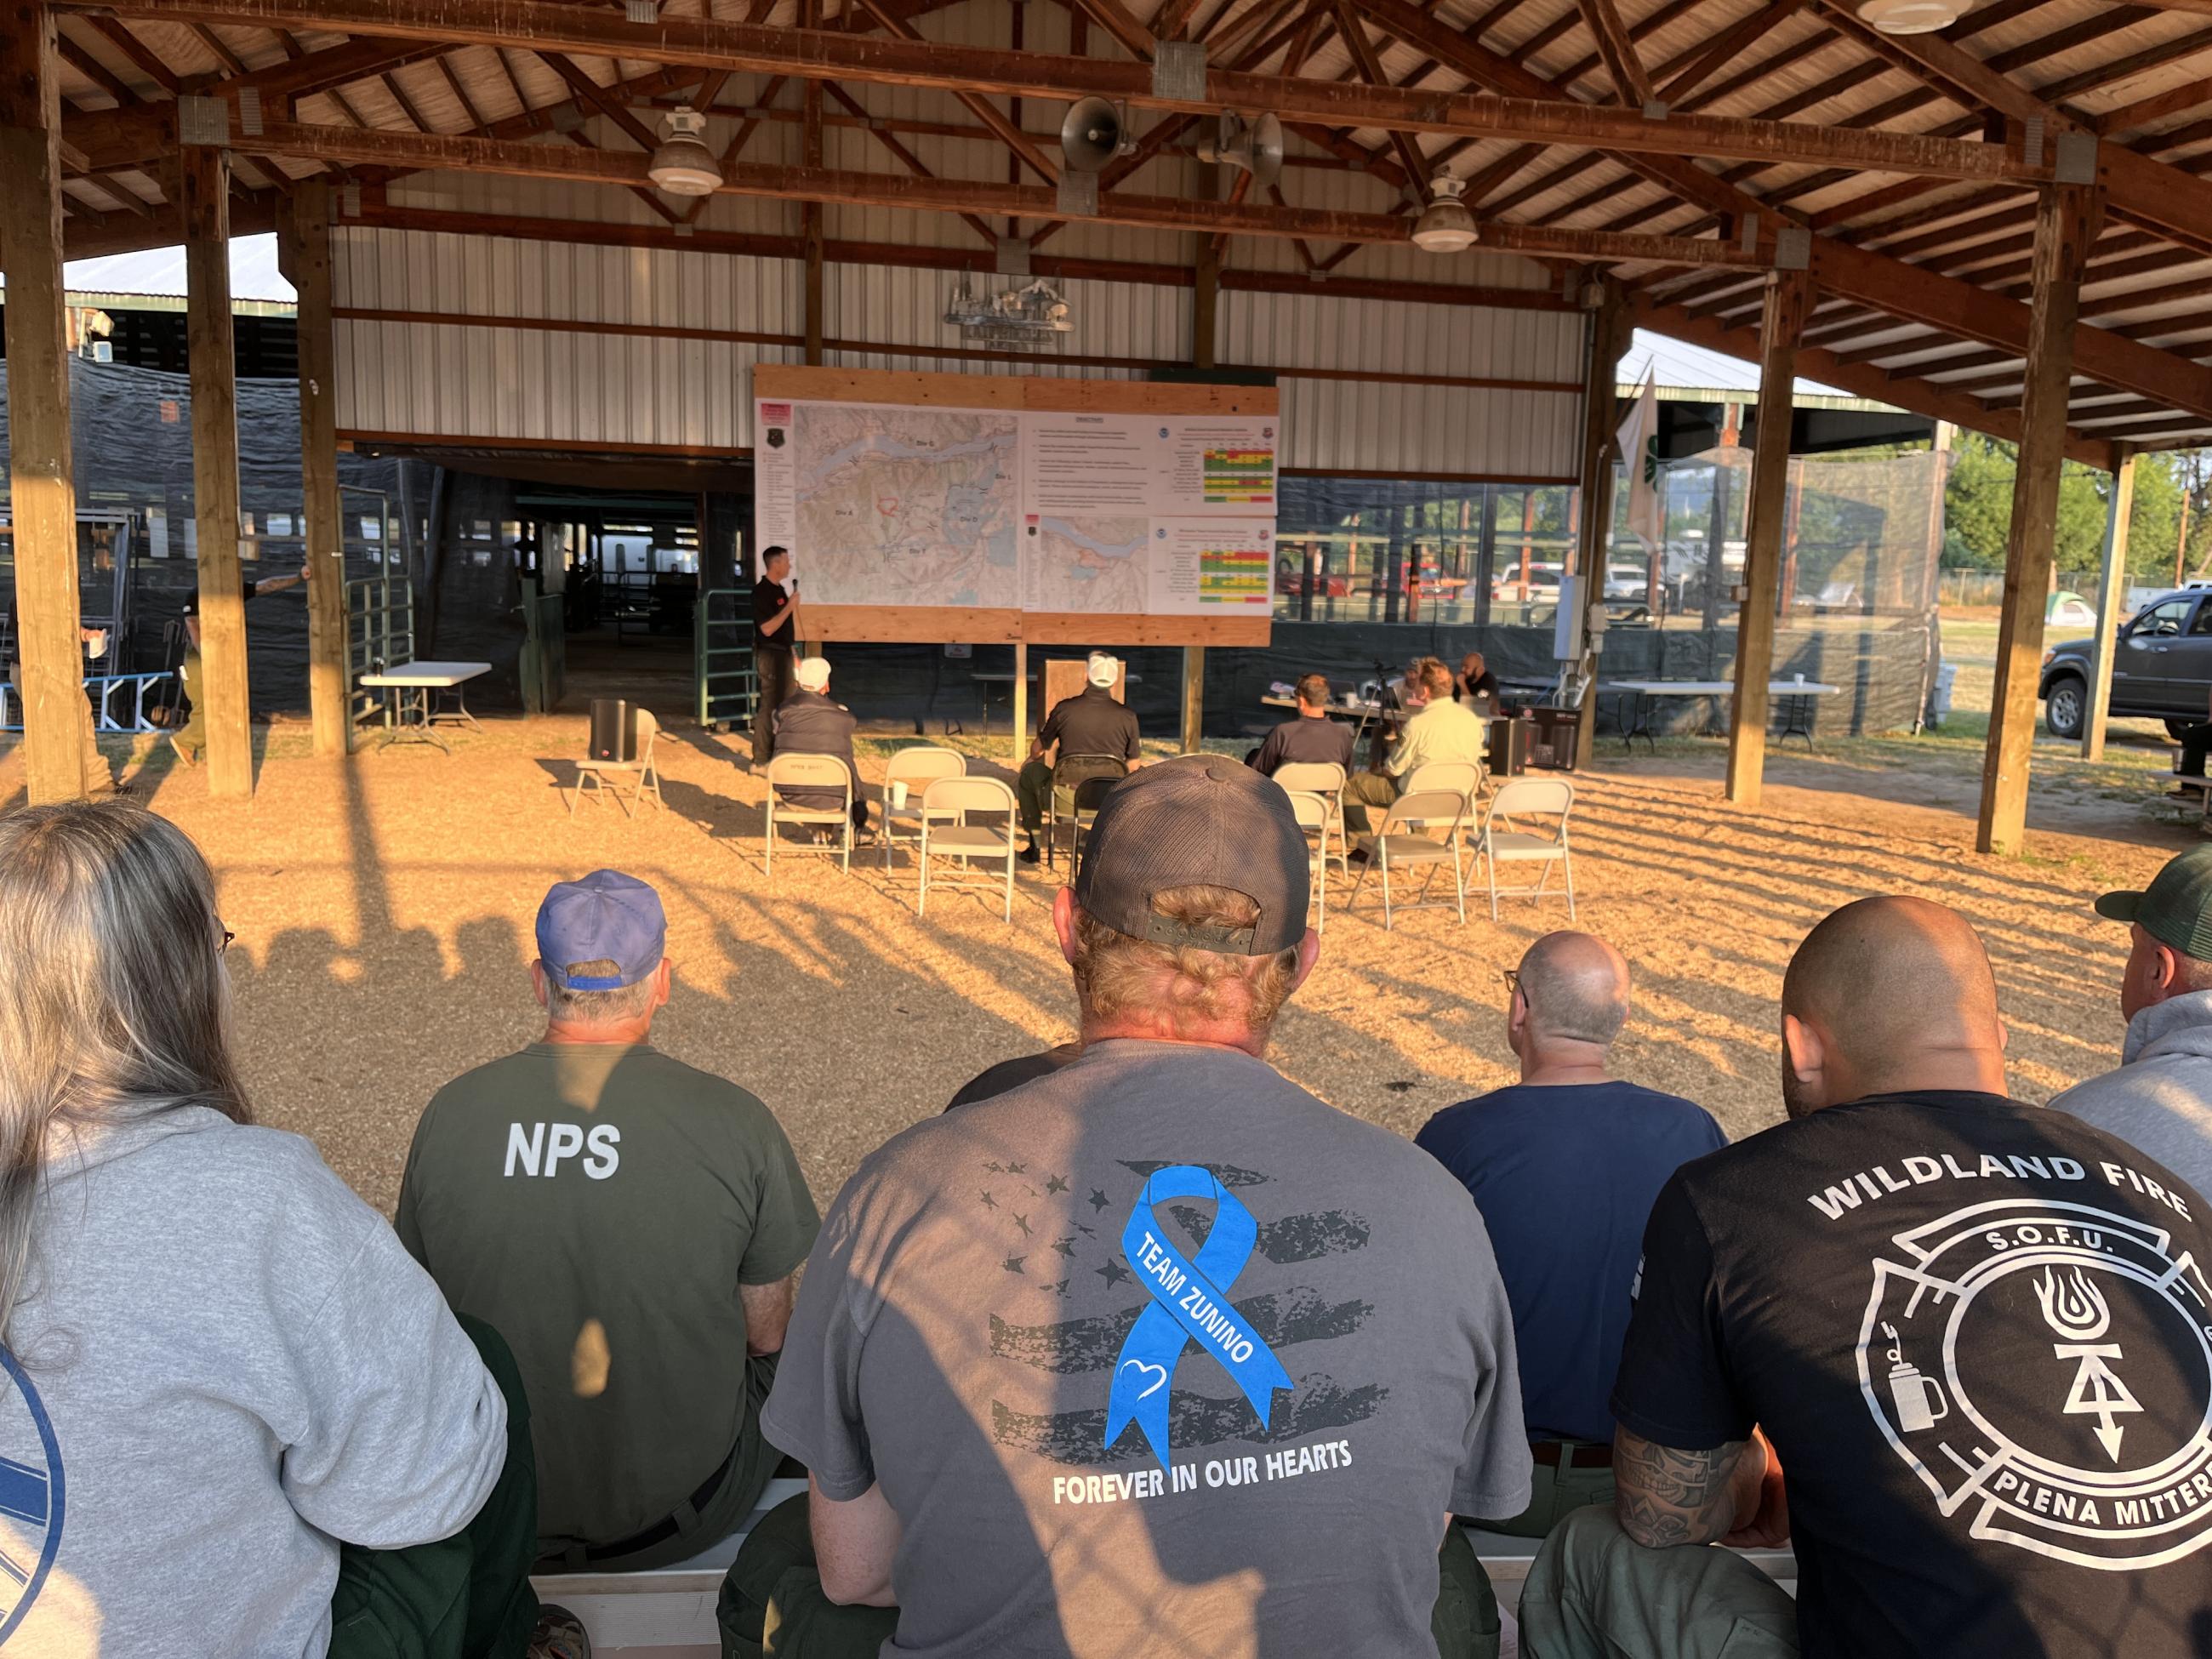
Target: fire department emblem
x,y
2046,1370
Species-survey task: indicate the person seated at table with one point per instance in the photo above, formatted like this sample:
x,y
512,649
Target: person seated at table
x,y
189,740
1405,694
808,723
1312,737
1441,730
1475,680
1089,735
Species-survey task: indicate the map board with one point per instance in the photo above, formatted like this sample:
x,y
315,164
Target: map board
x,y
973,507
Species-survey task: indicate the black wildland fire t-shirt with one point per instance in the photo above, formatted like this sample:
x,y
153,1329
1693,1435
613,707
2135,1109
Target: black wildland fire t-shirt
x,y
1979,1335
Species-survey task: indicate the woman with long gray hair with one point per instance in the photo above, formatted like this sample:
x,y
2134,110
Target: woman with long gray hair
x,y
235,1417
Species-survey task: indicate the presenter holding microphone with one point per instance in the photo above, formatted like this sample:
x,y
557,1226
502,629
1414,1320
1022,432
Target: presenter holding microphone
x,y
776,630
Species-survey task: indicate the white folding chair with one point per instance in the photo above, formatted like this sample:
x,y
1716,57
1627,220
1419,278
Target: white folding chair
x,y
1314,816
1465,776
818,772
601,777
917,769
1325,779
1405,842
1528,799
947,833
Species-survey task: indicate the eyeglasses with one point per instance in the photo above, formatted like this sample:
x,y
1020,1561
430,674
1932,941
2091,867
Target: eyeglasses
x,y
1512,979
224,943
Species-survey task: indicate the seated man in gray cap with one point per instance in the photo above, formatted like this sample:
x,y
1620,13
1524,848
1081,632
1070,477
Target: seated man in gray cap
x,y
632,1227
1157,1343
2161,1098
809,722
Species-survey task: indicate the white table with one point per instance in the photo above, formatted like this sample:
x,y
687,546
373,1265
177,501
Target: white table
x,y
416,687
1794,694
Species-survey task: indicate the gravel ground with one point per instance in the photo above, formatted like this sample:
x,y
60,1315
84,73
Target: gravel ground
x,y
384,907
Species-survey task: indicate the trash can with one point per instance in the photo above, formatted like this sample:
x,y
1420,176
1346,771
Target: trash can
x,y
1946,675
614,730
1509,747
1551,744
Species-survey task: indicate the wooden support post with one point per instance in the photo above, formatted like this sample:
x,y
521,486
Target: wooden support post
x,y
1610,331
56,722
2066,222
1194,697
811,216
1205,313
2112,593
1206,305
203,193
308,234
1021,702
1789,300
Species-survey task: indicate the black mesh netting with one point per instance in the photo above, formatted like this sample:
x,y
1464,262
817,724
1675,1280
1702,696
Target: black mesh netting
x,y
132,432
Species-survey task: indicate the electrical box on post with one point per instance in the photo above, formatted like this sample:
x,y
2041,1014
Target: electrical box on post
x,y
1567,624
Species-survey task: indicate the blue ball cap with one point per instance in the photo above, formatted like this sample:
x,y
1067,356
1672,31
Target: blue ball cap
x,y
605,917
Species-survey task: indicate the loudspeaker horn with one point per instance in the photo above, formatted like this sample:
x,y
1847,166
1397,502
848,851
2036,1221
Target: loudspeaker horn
x,y
1258,147
1095,132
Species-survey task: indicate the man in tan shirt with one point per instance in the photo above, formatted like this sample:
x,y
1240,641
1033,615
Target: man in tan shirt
x,y
1442,731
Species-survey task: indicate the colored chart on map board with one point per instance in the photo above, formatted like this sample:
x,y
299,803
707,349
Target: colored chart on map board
x,y
1064,512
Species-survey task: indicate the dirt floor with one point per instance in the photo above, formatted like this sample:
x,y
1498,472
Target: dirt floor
x,y
384,906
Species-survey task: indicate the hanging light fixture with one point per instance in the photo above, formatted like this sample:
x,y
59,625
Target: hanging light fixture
x,y
1445,226
1912,17
684,166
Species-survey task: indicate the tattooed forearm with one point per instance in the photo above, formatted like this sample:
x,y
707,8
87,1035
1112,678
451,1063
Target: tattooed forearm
x,y
1667,1496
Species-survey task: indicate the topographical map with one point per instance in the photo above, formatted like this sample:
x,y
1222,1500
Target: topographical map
x,y
1091,565
906,506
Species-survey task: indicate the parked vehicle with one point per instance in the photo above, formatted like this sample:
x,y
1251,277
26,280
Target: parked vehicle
x,y
2161,668
2069,611
1624,581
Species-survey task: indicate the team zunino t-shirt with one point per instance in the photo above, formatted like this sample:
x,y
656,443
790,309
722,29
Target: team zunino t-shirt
x,y
599,1204
1157,1352
1979,1334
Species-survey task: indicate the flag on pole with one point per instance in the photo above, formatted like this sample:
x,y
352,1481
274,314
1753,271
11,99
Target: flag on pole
x,y
1638,438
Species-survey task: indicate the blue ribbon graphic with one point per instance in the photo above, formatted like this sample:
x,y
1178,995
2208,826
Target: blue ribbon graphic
x,y
1190,1303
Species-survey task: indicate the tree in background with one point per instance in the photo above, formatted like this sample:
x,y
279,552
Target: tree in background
x,y
1977,513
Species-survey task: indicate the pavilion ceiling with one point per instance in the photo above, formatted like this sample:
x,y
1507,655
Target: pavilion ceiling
x,y
1680,148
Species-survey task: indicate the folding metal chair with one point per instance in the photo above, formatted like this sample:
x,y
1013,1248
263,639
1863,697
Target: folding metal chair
x,y
947,833
1528,798
1313,812
822,772
1079,783
600,777
1465,776
917,769
1325,779
1404,842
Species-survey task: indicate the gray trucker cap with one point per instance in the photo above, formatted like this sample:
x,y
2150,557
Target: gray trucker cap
x,y
1197,820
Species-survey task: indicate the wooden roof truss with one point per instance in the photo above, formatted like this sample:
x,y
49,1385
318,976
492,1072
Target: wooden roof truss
x,y
1678,148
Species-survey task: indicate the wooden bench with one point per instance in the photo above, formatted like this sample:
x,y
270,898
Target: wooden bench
x,y
669,1612
2185,785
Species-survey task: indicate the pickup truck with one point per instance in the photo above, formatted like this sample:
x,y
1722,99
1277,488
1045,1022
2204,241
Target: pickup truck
x,y
2161,668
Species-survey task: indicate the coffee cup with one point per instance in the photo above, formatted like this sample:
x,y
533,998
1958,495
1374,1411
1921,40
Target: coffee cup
x,y
897,793
1919,1398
